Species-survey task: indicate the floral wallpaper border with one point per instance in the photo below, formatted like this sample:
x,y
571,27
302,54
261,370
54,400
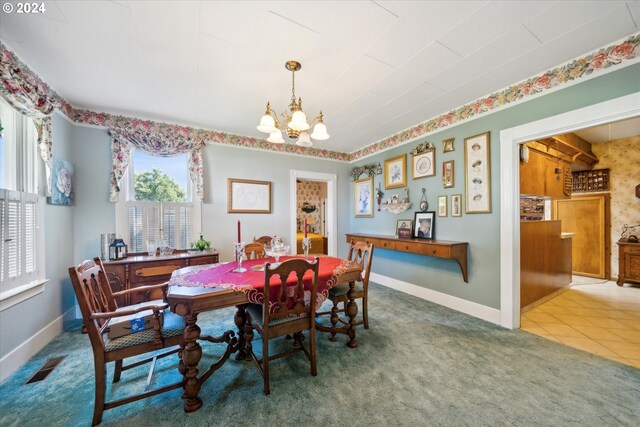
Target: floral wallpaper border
x,y
598,60
601,59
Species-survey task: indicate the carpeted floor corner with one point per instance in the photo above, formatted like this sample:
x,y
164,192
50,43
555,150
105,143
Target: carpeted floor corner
x,y
419,364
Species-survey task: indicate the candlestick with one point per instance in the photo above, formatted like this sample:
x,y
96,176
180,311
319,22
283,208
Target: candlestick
x,y
239,235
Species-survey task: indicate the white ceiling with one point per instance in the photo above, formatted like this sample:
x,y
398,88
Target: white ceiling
x,y
374,68
611,131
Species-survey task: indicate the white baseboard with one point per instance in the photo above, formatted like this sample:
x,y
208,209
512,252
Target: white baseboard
x,y
468,307
21,354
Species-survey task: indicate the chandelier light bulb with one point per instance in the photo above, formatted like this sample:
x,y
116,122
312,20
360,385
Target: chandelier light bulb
x,y
304,140
298,121
276,137
267,124
320,132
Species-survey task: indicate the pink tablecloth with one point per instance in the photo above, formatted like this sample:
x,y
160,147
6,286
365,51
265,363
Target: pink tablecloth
x,y
252,282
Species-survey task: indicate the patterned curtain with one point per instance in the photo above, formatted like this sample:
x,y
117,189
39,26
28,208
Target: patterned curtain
x,y
29,95
159,139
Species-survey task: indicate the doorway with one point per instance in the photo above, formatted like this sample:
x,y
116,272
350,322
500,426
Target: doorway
x,y
328,226
609,111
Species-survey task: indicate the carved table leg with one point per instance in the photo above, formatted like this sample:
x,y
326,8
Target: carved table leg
x,y
181,367
190,357
334,321
248,336
240,319
352,311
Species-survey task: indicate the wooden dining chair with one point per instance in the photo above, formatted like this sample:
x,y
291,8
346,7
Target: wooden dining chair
x,y
360,253
254,250
289,313
98,307
265,240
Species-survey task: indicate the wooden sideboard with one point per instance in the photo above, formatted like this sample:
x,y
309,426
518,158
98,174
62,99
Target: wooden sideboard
x,y
628,262
435,248
142,270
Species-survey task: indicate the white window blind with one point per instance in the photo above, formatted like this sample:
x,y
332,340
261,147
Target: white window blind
x,y
19,228
156,220
21,222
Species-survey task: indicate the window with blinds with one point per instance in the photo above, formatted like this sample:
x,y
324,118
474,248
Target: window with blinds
x,y
21,250
18,234
158,203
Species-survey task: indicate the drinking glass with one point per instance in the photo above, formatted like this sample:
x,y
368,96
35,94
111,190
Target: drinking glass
x,y
152,247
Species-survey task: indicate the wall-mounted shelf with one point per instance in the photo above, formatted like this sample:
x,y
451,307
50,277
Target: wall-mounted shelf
x,y
395,208
436,248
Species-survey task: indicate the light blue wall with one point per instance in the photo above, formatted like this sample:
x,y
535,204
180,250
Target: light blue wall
x,y
22,321
94,213
482,231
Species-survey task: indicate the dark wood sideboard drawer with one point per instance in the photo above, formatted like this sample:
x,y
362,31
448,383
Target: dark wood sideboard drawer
x,y
153,271
211,259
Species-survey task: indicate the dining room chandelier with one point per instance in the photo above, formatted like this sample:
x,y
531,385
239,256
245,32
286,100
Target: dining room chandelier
x,y
292,121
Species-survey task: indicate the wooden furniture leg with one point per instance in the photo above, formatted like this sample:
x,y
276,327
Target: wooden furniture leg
x,y
352,311
334,321
101,386
240,319
190,357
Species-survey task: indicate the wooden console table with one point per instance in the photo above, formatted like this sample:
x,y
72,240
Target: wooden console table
x,y
436,248
142,270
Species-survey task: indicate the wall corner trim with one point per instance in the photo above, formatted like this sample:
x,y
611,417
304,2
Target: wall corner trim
x,y
464,306
22,353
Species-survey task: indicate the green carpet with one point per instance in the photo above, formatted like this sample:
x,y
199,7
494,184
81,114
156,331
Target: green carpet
x,y
419,364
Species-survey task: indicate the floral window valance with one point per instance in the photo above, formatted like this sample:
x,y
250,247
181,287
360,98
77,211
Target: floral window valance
x,y
29,95
158,139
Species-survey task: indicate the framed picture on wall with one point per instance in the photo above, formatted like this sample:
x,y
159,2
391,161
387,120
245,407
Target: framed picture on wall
x,y
424,225
423,164
395,172
477,174
442,206
248,196
456,205
447,145
363,197
447,174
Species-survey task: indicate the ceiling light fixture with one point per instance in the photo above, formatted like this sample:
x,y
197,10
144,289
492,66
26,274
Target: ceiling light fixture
x,y
295,119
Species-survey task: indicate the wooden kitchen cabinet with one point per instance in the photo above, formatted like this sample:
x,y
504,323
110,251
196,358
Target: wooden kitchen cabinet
x,y
142,270
589,218
538,176
628,262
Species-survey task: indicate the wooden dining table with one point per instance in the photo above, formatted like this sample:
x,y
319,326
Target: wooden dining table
x,y
197,289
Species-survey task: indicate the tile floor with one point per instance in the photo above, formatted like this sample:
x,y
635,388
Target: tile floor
x,y
600,318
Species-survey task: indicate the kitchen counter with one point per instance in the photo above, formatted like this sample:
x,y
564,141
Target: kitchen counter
x,y
566,235
545,260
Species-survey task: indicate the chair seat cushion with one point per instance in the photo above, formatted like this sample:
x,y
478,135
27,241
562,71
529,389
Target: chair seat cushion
x,y
172,325
342,289
255,311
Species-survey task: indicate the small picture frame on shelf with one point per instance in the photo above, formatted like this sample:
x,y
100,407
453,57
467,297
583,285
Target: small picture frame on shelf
x,y
456,205
424,225
442,206
447,174
403,228
395,172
